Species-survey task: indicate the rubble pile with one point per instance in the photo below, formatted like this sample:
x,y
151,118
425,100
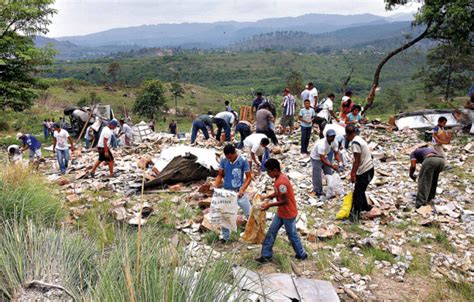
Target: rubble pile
x,y
394,226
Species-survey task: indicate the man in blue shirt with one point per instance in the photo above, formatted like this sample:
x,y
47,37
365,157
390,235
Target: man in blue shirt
x,y
257,102
202,123
231,171
32,143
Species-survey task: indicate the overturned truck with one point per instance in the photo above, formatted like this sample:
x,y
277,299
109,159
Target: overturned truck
x,y
82,117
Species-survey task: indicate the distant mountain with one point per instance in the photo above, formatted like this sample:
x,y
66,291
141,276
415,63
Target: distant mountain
x,y
70,51
392,34
219,34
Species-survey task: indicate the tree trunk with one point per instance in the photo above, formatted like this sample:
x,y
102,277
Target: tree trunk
x,y
176,105
375,81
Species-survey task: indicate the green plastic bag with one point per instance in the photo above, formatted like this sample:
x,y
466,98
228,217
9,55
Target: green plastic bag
x,y
345,210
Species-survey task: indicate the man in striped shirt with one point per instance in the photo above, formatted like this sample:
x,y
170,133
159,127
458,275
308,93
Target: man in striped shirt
x,y
289,108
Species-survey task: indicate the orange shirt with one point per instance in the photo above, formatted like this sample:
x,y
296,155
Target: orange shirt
x,y
283,185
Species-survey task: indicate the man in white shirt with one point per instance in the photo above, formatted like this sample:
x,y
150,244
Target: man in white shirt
x,y
255,144
60,146
311,94
320,161
103,147
224,120
362,172
14,154
127,132
325,111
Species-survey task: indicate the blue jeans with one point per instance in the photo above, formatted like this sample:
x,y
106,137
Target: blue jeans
x,y
305,137
45,133
290,228
244,204
198,125
114,142
63,159
244,131
222,124
88,144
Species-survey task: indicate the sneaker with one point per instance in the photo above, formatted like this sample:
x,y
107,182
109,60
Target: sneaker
x,y
263,259
222,241
302,258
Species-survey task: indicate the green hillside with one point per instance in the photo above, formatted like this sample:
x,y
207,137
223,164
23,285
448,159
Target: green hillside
x,y
243,73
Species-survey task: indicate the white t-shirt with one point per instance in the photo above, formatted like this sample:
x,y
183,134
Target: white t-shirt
x,y
227,116
304,96
127,131
105,133
358,145
61,139
322,147
327,105
16,153
313,93
253,142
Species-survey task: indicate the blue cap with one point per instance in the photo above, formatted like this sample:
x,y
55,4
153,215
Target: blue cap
x,y
113,122
331,132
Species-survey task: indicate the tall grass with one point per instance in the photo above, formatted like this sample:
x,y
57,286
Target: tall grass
x,y
53,256
67,259
26,195
163,274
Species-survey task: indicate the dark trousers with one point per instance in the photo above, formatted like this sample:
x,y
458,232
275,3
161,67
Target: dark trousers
x,y
359,200
244,131
270,134
321,122
198,125
305,137
428,179
222,124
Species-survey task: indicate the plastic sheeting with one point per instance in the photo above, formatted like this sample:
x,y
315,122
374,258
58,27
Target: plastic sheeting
x,y
424,119
284,287
181,169
205,157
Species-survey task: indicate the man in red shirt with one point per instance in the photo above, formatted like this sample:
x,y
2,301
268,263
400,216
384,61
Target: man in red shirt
x,y
286,214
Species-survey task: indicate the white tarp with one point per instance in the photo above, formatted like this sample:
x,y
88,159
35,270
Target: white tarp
x,y
428,120
205,157
224,209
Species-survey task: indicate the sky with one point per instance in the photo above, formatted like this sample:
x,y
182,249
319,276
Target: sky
x,y
80,17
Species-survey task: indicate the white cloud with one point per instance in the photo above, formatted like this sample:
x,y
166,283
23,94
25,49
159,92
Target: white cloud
x,y
79,17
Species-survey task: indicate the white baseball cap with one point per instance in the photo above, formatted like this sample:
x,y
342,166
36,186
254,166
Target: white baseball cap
x,y
19,135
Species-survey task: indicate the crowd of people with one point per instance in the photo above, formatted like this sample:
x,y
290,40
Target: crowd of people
x,y
255,136
325,154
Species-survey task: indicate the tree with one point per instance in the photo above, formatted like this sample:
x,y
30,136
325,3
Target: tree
x,y
177,91
448,69
443,21
294,82
393,96
150,99
113,71
20,60
93,99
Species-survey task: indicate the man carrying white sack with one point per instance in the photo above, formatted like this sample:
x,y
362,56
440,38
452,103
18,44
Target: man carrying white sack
x,y
232,169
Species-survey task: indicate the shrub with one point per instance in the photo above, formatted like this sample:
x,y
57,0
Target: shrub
x,y
4,126
24,195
